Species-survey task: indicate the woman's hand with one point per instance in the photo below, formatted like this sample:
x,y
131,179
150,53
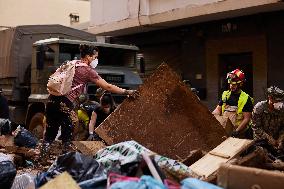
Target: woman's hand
x,y
132,93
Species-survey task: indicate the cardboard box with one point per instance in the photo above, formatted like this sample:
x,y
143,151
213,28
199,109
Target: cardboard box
x,y
238,177
226,124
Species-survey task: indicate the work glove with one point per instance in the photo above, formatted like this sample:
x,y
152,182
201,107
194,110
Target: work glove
x,y
235,134
93,137
278,105
132,93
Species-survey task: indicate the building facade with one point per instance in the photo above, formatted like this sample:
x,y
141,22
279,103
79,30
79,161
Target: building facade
x,y
202,40
33,12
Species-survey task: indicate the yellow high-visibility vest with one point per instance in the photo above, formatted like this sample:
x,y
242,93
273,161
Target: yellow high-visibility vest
x,y
241,103
83,116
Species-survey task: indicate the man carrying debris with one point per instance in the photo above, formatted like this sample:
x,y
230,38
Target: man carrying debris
x,y
268,119
236,105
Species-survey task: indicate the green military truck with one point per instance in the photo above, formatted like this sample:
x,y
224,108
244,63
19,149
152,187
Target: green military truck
x,y
25,86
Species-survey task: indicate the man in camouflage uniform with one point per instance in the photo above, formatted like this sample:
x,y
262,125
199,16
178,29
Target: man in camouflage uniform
x,y
268,119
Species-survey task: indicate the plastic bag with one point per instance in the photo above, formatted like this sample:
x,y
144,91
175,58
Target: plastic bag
x,y
5,126
25,138
4,157
7,174
79,166
24,181
193,183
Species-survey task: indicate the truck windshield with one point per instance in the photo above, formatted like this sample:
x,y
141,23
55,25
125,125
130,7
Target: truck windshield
x,y
107,56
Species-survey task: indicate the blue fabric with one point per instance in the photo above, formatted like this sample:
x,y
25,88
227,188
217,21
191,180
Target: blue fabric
x,y
192,183
146,182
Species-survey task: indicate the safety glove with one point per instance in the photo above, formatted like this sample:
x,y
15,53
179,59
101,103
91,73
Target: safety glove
x,y
132,93
235,134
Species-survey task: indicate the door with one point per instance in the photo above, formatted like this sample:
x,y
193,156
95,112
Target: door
x,y
230,62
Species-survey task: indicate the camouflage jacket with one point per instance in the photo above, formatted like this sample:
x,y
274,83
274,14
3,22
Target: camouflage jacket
x,y
268,124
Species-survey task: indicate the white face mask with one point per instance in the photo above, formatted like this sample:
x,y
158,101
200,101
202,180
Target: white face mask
x,y
94,63
278,105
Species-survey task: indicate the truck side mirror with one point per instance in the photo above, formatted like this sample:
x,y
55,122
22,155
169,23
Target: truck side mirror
x,y
40,56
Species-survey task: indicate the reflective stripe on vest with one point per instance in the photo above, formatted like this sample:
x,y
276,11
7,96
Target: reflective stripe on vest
x,y
241,103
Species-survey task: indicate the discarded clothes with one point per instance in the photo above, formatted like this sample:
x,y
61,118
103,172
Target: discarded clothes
x,y
145,182
193,183
131,151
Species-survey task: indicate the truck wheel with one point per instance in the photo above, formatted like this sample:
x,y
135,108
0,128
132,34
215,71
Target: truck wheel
x,y
37,125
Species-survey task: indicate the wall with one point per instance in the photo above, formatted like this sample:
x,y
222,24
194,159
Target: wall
x,y
31,12
121,17
108,11
201,44
275,27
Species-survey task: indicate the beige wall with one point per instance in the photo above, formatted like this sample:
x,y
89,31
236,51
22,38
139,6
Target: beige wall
x,y
107,11
111,17
255,44
30,12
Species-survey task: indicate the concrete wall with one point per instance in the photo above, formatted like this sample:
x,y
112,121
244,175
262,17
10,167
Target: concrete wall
x,y
201,44
120,17
31,12
275,70
108,11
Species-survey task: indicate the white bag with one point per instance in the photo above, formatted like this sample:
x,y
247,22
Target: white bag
x,y
60,82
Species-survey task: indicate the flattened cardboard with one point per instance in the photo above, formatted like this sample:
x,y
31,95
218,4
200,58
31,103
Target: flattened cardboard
x,y
236,177
166,118
89,147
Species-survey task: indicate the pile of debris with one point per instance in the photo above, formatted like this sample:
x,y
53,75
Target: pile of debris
x,y
165,138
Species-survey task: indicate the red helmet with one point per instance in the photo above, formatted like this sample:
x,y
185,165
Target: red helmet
x,y
236,76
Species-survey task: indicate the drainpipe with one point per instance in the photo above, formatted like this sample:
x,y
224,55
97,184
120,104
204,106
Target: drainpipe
x,y
143,20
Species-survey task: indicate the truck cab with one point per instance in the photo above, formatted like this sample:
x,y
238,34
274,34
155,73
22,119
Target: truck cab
x,y
117,65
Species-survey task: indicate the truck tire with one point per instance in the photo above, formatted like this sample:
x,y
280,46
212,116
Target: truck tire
x,y
37,125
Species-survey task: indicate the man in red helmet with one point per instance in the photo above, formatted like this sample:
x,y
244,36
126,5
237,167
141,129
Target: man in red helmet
x,y
236,105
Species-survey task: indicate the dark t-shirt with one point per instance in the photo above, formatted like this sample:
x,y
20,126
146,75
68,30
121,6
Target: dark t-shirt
x,y
4,108
101,115
233,101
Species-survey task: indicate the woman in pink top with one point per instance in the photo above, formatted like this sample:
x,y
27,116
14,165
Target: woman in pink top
x,y
60,109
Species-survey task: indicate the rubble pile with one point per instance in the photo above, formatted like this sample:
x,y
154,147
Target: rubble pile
x,y
165,138
166,118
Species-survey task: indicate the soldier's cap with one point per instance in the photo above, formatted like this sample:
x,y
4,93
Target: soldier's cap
x,y
276,93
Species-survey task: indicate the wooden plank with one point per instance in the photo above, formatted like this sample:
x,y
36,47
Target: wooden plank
x,y
227,150
63,180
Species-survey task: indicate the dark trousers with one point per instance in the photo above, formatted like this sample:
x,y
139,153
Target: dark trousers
x,y
59,112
